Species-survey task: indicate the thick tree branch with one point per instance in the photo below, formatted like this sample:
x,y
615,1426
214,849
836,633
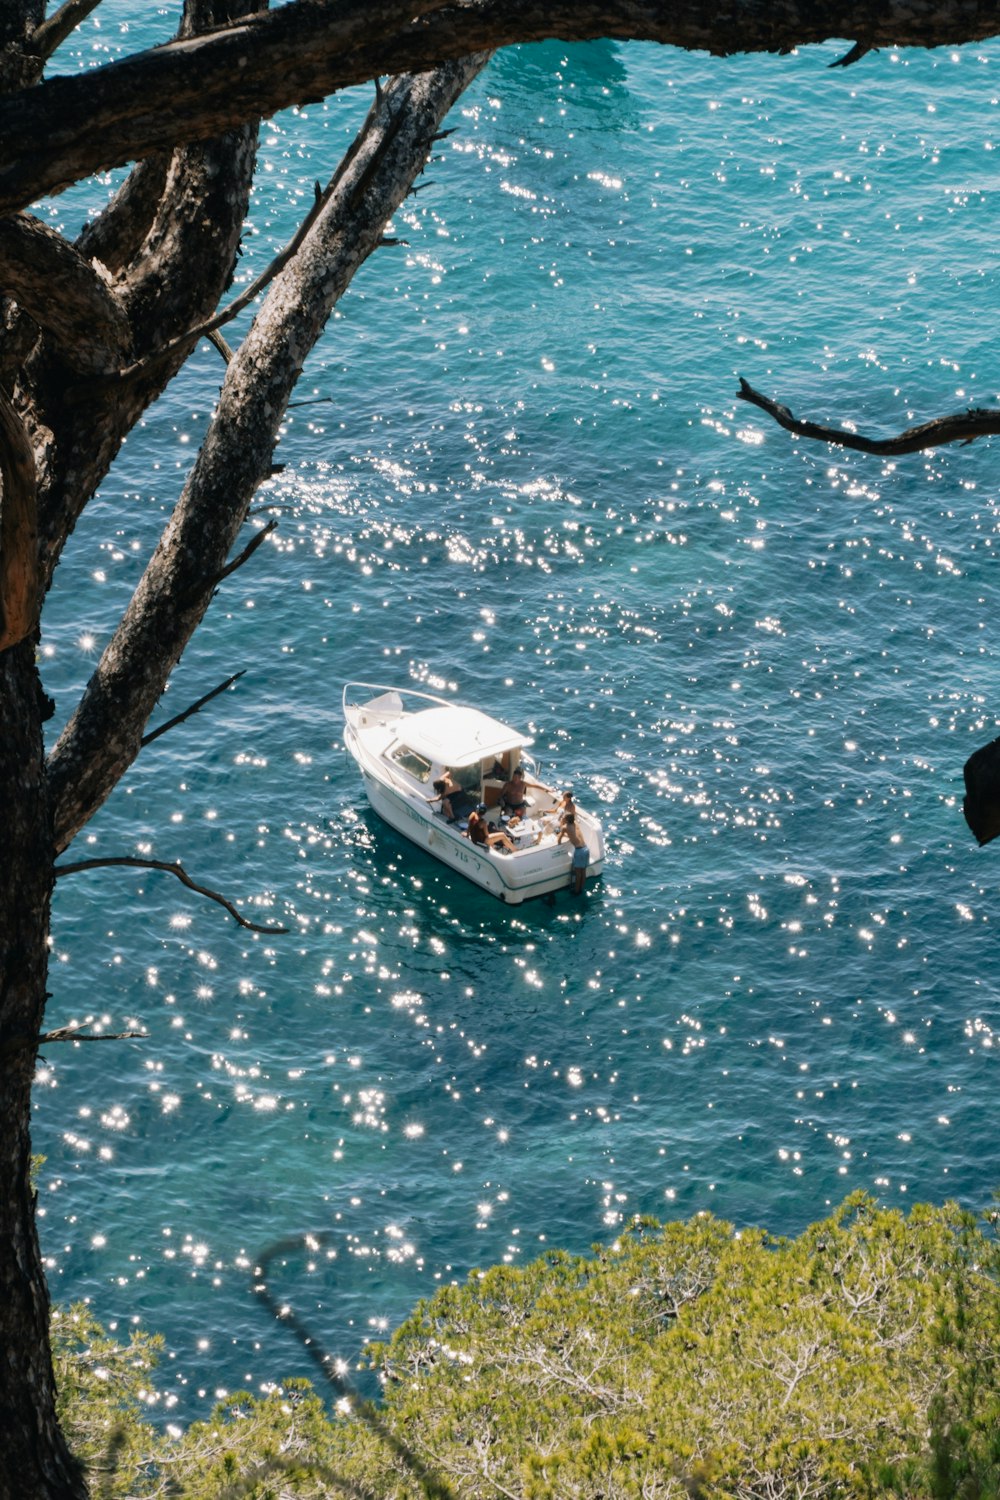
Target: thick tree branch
x,y
19,20
19,593
962,427
64,294
104,735
170,869
116,235
69,128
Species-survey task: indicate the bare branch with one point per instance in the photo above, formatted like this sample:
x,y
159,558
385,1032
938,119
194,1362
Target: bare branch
x,y
154,734
11,1045
18,529
248,551
215,337
258,285
962,427
115,236
69,128
171,869
857,52
57,27
72,1034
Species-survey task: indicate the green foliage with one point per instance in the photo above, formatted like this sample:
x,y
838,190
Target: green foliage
x,y
858,1360
103,1392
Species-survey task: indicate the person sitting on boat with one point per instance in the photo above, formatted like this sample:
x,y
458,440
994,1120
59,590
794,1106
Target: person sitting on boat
x,y
581,854
481,833
513,796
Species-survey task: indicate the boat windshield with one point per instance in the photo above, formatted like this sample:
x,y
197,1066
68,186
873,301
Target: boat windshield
x,y
410,761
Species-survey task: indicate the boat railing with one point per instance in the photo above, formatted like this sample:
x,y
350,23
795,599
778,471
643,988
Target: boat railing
x,y
382,690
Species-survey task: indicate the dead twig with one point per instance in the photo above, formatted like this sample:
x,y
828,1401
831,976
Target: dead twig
x,y
215,337
248,551
73,1034
154,734
175,869
211,326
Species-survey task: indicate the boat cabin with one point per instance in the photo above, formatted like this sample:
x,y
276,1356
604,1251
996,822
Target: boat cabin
x,y
479,751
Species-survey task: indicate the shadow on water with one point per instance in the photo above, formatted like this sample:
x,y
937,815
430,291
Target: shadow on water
x,y
594,74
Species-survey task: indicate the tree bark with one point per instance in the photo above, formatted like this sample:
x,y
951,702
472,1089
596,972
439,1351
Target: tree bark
x,y
19,594
170,239
174,281
69,128
35,1461
64,294
19,19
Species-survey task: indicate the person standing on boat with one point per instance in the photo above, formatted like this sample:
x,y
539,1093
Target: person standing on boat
x,y
445,787
513,796
581,854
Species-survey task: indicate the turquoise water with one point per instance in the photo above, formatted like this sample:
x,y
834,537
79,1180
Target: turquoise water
x,y
524,479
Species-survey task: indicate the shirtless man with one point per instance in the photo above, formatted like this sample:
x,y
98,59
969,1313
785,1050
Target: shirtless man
x,y
581,854
513,797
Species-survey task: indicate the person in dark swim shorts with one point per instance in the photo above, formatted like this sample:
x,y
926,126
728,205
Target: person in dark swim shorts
x,y
514,794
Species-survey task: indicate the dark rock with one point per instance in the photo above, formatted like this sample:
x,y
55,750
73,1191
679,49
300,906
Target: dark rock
x,y
982,792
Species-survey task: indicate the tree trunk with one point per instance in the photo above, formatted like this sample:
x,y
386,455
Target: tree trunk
x,y
36,1462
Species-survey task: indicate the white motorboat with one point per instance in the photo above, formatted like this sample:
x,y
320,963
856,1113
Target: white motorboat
x,y
405,741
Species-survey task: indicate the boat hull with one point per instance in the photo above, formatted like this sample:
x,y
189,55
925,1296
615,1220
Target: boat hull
x,y
500,875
